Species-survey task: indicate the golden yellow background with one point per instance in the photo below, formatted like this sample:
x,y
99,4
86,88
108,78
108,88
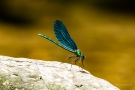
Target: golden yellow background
x,y
103,30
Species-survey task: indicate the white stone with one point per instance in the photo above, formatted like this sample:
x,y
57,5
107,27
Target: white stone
x,y
30,74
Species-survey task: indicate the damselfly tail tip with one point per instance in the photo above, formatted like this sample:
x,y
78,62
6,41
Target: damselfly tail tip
x,y
40,34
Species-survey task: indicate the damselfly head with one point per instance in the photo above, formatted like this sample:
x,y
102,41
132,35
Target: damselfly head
x,y
83,56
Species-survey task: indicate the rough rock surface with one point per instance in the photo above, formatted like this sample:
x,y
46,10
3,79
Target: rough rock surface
x,y
30,74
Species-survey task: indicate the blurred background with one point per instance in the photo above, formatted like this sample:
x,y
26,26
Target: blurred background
x,y
104,31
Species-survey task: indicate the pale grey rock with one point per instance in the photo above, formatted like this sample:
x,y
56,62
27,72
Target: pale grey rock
x,y
30,74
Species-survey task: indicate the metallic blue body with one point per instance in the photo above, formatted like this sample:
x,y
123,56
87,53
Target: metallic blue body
x,y
65,41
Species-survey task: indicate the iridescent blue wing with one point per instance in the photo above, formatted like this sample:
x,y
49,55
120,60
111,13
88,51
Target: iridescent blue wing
x,y
63,36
